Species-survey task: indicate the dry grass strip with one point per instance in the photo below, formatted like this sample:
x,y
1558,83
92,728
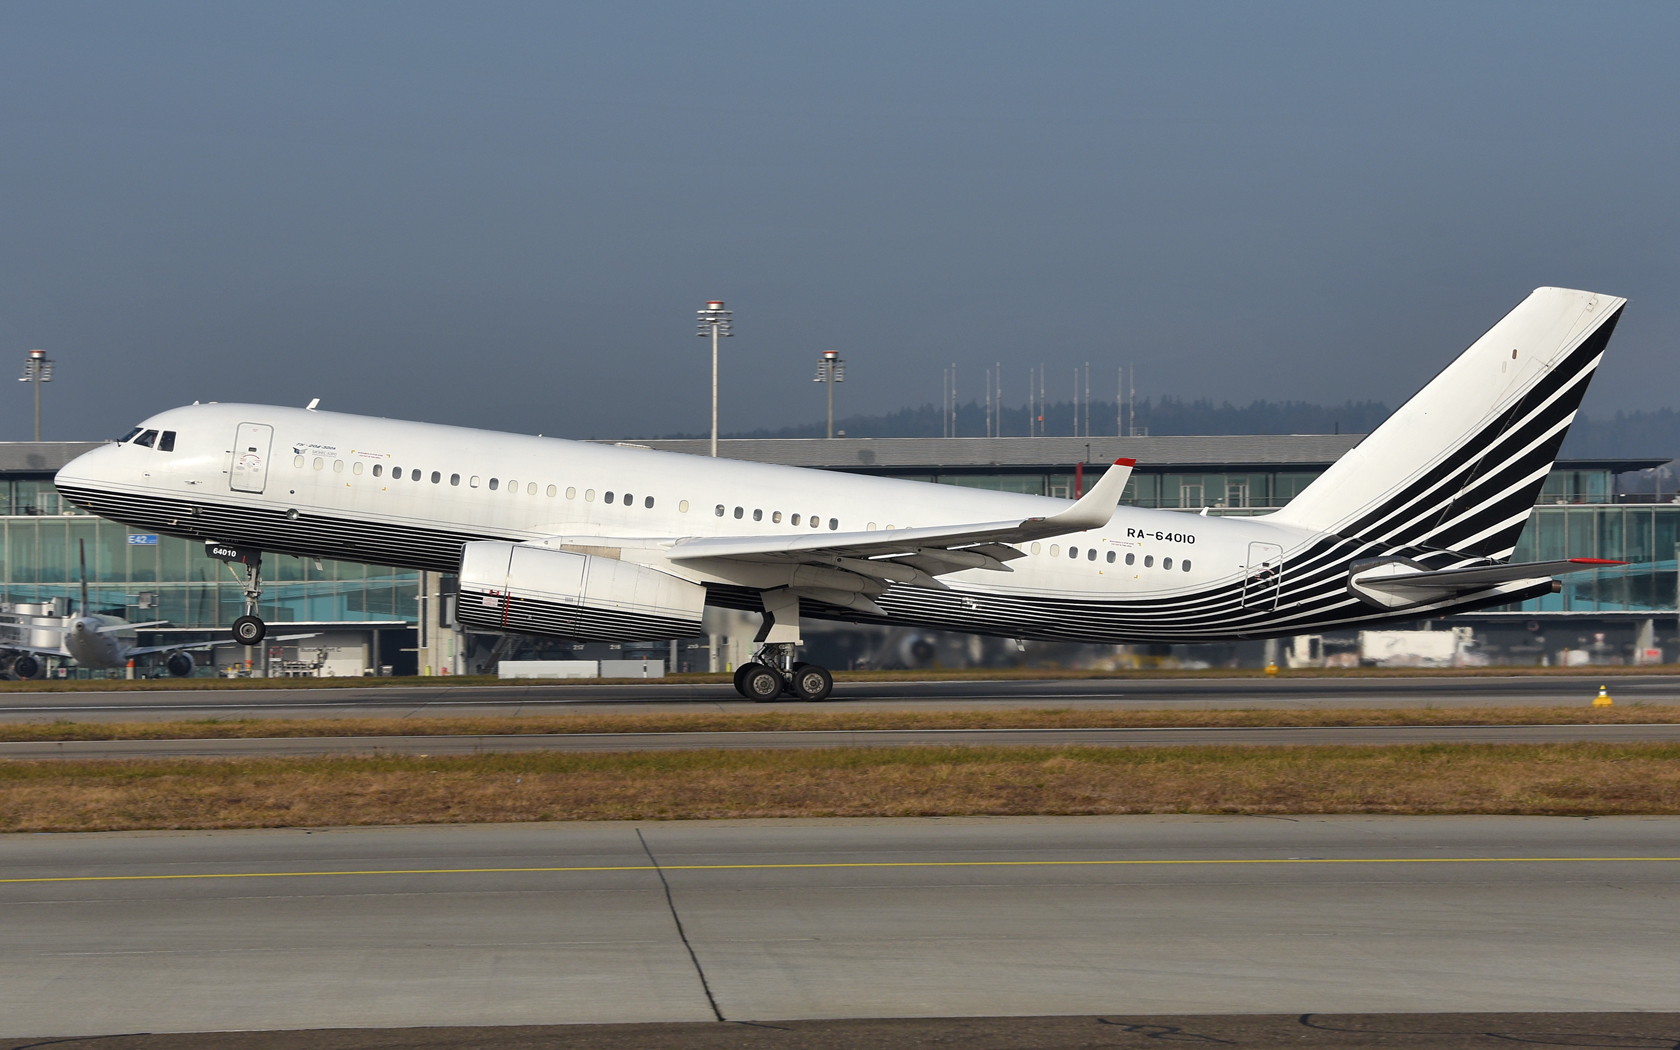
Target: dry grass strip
x,y
1573,779
836,720
976,674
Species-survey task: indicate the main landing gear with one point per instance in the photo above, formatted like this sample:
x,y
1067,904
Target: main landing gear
x,y
772,671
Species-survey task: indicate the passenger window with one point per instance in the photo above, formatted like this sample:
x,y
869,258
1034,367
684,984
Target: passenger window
x,y
531,489
378,469
1148,561
436,477
869,527
1091,555
1131,558
629,500
1111,557
648,503
609,496
1055,550
338,466
1166,563
1035,548
816,521
494,484
356,467
552,492
571,492
513,486
833,523
297,461
794,520
738,512
319,463
396,473
776,517
720,510
682,506
455,479
147,438
1073,552
1185,565
589,495
758,515
472,482
166,443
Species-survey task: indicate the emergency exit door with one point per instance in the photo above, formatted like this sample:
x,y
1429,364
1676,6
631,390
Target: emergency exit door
x,y
1264,577
250,457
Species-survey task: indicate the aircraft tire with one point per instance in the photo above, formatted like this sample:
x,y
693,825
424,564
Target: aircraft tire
x,y
812,683
740,674
761,684
249,630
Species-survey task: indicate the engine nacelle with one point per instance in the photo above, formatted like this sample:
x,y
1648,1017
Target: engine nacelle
x,y
180,664
26,666
537,590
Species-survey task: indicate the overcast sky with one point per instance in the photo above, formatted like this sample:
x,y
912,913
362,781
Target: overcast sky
x,y
505,215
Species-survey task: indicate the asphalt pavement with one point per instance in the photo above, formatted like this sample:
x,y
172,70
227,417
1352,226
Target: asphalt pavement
x,y
437,700
756,922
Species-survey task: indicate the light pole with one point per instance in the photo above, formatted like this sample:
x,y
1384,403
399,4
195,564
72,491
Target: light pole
x,y
714,321
831,370
37,369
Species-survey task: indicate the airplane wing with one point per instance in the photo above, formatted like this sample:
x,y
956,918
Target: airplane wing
x,y
38,649
61,629
172,647
930,550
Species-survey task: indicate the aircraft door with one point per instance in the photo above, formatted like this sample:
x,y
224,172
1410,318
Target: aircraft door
x,y
1264,577
250,457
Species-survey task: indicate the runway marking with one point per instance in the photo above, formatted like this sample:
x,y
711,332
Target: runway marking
x,y
845,864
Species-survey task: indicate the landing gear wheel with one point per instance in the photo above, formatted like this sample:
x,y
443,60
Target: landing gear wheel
x,y
249,630
740,676
761,684
812,683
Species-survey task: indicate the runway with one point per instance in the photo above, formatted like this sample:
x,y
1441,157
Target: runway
x,y
272,747
772,920
430,700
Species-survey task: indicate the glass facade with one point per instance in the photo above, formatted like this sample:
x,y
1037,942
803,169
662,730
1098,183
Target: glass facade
x,y
1644,535
170,578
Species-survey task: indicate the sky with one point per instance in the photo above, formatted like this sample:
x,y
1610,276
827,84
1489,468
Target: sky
x,y
505,215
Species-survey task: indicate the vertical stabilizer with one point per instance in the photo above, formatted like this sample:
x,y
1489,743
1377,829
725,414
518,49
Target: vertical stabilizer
x,y
1460,465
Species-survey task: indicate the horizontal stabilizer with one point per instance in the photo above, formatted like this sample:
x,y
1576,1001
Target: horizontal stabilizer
x,y
1394,582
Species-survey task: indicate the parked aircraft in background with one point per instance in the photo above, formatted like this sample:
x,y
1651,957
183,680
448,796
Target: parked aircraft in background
x,y
94,640
591,541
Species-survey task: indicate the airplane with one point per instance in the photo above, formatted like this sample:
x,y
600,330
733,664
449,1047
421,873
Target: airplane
x,y
610,543
100,641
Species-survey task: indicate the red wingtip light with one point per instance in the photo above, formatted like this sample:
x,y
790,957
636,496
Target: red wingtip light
x,y
1125,462
1595,561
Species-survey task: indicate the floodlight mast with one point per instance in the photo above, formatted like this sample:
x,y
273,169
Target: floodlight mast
x,y
715,321
831,370
37,369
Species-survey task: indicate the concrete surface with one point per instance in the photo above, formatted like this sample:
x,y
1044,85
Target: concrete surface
x,y
432,700
268,747
551,924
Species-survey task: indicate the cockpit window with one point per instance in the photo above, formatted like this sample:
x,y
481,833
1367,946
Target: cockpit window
x,y
147,438
130,435
166,441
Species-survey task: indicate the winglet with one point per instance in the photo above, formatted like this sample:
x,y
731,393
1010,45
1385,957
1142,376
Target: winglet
x,y
1096,507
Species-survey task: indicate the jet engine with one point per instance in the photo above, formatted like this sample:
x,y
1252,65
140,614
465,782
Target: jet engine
x,y
526,589
180,664
25,666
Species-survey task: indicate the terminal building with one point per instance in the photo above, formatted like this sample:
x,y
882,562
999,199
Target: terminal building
x,y
379,619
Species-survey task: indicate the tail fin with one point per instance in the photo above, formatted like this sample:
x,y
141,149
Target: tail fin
x,y
1460,465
